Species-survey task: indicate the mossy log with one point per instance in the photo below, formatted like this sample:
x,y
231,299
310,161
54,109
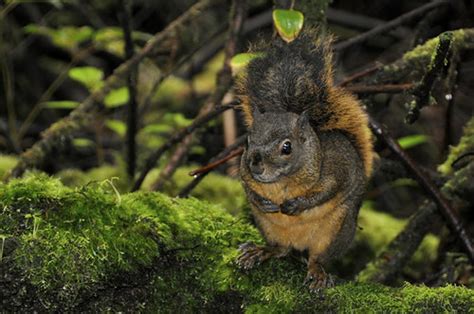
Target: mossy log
x,y
87,249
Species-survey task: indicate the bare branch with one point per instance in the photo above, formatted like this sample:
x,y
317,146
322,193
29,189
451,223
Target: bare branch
x,y
443,206
177,138
375,89
390,25
213,162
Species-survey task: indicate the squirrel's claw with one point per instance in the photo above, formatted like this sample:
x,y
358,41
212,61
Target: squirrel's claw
x,y
250,256
267,206
290,207
318,279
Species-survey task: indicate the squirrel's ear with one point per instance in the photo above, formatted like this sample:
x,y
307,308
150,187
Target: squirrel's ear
x,y
303,122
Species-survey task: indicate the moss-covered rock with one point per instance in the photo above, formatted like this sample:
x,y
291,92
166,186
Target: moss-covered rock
x,y
89,248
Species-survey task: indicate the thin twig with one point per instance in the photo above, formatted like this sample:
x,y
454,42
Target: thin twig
x,y
444,207
12,134
202,173
365,72
390,25
209,167
224,81
375,89
436,66
177,138
353,20
83,114
132,90
35,111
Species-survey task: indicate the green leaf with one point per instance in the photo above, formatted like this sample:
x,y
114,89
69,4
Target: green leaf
x,y
177,119
117,126
110,39
288,23
198,150
241,60
63,104
412,140
82,142
68,37
90,77
116,98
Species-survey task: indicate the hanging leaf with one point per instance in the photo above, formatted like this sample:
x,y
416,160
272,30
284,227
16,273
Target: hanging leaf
x,y
412,140
90,77
63,104
117,126
117,97
241,60
288,23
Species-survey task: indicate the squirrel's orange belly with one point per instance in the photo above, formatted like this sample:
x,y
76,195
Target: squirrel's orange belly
x,y
313,230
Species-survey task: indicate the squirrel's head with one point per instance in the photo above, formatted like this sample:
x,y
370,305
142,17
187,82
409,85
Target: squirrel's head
x,y
279,144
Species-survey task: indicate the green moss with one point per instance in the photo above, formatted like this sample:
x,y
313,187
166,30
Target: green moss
x,y
427,50
7,162
77,178
91,250
214,188
466,145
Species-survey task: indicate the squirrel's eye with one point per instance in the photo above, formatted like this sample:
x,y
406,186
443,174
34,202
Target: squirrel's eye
x,y
286,148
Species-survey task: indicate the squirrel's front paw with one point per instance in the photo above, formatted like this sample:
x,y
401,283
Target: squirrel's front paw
x,y
250,255
267,206
317,279
291,207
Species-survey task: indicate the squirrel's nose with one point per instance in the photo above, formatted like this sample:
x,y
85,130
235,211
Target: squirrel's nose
x,y
256,163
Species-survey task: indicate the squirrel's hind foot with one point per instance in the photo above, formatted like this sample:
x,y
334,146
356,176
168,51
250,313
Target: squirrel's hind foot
x,y
252,255
317,278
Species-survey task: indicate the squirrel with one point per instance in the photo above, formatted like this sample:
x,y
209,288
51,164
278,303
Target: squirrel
x,y
308,156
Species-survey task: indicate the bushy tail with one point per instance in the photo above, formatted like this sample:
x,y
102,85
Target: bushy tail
x,y
289,77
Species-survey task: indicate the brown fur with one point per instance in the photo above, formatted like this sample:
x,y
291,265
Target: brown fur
x,y
314,230
335,168
350,117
